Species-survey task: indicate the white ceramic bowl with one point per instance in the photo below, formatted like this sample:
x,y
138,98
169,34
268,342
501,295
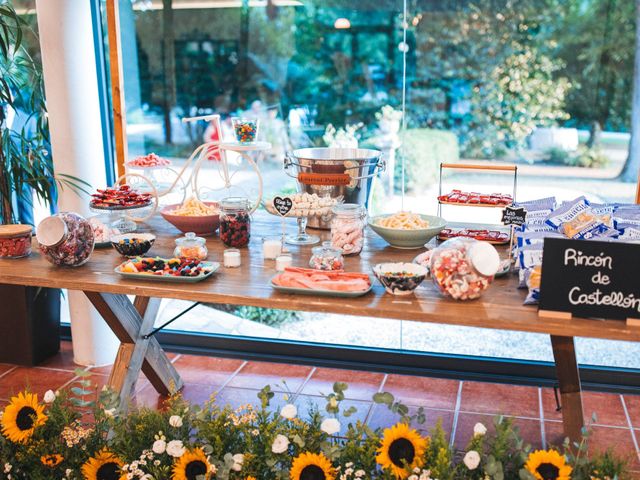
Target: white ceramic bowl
x,y
408,239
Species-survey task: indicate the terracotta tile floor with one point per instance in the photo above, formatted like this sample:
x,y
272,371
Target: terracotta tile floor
x,y
458,404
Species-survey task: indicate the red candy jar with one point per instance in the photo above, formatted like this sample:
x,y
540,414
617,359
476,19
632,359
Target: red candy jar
x,y
15,241
235,222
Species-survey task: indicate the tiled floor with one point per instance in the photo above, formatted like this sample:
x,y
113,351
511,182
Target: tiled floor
x,y
459,404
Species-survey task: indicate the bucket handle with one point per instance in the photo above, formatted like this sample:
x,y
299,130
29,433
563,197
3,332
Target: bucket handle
x,y
289,161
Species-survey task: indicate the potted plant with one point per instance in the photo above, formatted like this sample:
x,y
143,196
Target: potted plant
x,y
29,330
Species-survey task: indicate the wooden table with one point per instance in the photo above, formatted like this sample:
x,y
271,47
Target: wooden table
x,y
500,307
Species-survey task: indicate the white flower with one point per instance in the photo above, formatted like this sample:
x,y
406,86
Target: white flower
x,y
471,459
479,430
280,444
175,448
175,421
110,412
7,467
238,460
289,411
330,426
413,477
49,396
159,447
359,473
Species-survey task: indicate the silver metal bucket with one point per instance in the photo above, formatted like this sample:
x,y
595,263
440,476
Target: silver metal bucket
x,y
345,173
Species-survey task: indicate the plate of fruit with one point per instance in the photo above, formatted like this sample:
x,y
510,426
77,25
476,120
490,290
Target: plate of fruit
x,y
122,197
186,270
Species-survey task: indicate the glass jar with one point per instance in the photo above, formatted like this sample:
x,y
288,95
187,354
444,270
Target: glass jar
x,y
15,241
245,129
66,239
235,222
347,227
463,268
326,257
191,247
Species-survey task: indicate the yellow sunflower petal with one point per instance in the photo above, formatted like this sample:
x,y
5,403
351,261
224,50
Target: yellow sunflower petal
x,y
52,460
402,450
548,465
21,417
191,464
311,466
103,466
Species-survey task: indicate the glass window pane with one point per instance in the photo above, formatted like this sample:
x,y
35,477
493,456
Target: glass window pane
x,y
543,85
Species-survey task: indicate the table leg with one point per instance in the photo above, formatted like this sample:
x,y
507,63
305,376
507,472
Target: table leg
x,y
564,353
130,322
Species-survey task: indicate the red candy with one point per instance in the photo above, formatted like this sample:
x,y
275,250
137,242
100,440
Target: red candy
x,y
235,229
149,160
15,247
473,198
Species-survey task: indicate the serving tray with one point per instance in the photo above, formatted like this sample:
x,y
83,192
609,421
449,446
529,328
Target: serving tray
x,y
212,266
322,293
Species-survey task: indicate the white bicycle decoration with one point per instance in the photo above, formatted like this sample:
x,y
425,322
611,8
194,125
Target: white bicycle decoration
x,y
226,172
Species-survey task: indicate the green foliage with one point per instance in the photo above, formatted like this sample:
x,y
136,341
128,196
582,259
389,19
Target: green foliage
x,y
439,456
557,155
585,157
241,441
267,316
424,149
521,94
596,40
588,158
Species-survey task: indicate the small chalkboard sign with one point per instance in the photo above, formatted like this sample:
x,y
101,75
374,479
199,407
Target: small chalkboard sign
x,y
590,279
514,216
282,205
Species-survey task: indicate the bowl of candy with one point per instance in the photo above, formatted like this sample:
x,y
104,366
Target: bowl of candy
x,y
407,230
201,218
133,244
400,278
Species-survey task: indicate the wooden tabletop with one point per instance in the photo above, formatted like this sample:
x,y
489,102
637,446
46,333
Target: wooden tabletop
x,y
500,307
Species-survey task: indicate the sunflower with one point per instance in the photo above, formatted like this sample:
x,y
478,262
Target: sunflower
x,y
402,450
103,466
548,465
250,477
21,417
190,465
52,460
311,466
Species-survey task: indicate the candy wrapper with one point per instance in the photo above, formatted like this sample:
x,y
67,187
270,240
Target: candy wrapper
x,y
578,220
532,279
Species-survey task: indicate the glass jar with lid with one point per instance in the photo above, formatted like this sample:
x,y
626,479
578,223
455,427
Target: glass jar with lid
x,y
66,239
347,227
463,268
325,257
191,246
15,241
235,222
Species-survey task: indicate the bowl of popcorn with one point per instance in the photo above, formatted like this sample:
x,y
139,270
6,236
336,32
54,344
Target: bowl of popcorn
x,y
407,230
193,215
400,278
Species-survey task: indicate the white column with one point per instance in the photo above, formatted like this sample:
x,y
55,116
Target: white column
x,y
71,89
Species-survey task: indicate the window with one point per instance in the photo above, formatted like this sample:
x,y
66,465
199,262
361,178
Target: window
x,y
540,84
